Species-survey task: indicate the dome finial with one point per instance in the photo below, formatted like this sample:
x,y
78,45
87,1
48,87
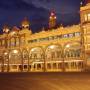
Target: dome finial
x,y
25,23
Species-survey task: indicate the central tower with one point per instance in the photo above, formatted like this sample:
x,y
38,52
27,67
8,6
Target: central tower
x,y
52,20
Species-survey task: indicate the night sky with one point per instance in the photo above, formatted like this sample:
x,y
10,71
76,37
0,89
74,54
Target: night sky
x,y
12,12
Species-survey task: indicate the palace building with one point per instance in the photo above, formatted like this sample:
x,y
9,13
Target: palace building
x,y
62,49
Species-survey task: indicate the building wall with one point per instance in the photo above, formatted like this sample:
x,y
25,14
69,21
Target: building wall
x,y
64,48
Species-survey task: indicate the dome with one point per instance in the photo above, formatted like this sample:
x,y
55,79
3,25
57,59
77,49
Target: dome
x,y
25,23
6,28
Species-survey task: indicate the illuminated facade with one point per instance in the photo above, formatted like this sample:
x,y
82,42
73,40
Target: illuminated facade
x,y
63,49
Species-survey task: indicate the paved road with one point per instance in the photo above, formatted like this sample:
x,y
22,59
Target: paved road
x,y
45,81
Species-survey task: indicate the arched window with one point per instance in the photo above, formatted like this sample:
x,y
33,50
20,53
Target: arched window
x,y
25,56
15,57
88,16
22,40
12,41
53,52
72,50
5,57
36,54
17,41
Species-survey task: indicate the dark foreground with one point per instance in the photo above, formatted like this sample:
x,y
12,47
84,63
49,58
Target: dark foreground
x,y
45,81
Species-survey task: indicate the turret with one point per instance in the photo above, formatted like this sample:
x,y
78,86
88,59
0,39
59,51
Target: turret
x,y
25,23
6,29
52,20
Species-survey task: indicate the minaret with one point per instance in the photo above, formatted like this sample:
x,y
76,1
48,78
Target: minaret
x,y
25,23
52,20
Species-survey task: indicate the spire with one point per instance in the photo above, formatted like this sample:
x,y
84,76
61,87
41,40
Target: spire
x,y
25,23
6,29
52,19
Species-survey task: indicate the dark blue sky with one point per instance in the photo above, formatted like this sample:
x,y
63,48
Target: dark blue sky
x,y
12,12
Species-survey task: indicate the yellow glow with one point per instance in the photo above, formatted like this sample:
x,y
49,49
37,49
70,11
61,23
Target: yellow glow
x,y
53,46
67,46
15,51
13,33
5,53
32,49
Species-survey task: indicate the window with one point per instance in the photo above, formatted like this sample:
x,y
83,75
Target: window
x,y
65,36
77,33
51,38
8,43
0,42
55,37
13,41
17,41
85,17
89,17
47,38
22,40
3,42
71,35
59,36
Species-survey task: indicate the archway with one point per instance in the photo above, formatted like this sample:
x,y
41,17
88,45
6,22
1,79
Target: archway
x,y
25,55
36,57
53,57
15,60
5,61
73,57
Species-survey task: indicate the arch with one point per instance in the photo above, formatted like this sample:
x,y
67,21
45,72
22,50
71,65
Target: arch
x,y
53,52
17,41
5,57
25,56
72,50
36,54
12,41
15,57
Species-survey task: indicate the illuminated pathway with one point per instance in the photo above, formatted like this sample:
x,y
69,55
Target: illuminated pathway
x,y
45,81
